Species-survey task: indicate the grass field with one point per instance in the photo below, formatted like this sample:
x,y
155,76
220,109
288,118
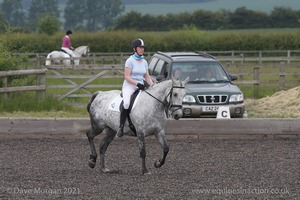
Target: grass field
x,y
257,5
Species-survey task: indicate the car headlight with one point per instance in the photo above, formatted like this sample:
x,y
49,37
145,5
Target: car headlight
x,y
189,99
236,98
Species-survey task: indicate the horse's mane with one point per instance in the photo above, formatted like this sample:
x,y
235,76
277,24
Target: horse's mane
x,y
175,81
81,47
161,82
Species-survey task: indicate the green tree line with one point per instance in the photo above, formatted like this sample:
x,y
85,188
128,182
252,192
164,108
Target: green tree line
x,y
45,15
241,18
163,1
88,15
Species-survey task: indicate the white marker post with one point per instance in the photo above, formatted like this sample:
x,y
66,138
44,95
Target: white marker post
x,y
223,112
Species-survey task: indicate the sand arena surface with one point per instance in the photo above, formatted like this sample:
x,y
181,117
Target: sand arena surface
x,y
56,168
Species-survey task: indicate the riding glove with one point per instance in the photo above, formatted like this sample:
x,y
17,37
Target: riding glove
x,y
140,86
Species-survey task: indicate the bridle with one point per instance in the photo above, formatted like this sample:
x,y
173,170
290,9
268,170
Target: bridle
x,y
166,104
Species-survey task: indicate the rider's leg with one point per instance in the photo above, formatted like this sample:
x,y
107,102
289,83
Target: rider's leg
x,y
123,117
127,90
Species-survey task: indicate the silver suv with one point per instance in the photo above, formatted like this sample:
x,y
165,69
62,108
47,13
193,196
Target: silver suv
x,y
209,86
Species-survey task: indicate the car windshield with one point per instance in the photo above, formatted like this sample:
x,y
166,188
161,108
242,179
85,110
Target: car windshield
x,y
200,72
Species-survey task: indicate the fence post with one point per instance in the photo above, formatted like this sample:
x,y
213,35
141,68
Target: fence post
x,y
260,57
241,77
243,58
232,57
121,57
40,78
4,82
256,82
281,77
288,56
94,58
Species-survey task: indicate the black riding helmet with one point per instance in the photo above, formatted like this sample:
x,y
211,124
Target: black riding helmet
x,y
68,32
137,43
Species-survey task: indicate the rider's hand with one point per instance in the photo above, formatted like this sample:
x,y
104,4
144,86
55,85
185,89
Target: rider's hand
x,y
140,86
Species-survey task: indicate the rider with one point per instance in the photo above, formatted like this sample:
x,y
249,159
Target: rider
x,y
66,44
135,72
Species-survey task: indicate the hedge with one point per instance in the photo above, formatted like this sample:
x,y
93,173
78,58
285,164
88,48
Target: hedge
x,y
183,40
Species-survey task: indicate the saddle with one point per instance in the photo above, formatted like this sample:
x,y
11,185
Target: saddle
x,y
65,52
132,99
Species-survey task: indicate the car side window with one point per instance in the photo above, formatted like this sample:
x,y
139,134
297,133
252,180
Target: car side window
x,y
165,70
158,70
152,65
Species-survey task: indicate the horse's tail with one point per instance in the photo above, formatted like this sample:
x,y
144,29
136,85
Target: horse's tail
x,y
48,62
91,101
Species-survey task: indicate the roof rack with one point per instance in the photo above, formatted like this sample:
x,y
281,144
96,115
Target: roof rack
x,y
205,54
197,53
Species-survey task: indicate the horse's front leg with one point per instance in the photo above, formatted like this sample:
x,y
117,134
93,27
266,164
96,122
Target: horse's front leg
x,y
162,139
76,61
68,62
93,157
103,147
141,140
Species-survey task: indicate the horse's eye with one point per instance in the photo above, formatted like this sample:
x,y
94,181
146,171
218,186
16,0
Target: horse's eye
x,y
175,94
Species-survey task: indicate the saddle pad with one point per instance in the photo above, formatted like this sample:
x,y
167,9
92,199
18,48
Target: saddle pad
x,y
114,105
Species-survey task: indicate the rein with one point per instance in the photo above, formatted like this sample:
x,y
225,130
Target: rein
x,y
156,98
168,105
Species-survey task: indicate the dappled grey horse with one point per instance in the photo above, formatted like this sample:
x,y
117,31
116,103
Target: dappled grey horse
x,y
55,57
148,116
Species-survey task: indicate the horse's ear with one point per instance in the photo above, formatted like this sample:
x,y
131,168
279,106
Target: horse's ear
x,y
186,80
153,79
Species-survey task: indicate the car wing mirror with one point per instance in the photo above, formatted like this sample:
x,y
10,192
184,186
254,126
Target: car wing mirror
x,y
233,77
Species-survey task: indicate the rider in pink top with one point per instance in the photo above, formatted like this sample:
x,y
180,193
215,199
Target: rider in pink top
x,y
66,44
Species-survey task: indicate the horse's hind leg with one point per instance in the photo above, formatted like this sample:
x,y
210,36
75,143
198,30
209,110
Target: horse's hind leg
x,y
162,139
110,135
93,157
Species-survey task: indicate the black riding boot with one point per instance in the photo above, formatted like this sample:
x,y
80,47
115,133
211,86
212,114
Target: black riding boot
x,y
123,117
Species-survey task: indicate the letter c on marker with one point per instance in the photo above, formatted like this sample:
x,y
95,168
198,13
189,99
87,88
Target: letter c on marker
x,y
224,113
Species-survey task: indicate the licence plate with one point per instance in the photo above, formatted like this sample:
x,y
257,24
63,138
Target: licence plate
x,y
210,109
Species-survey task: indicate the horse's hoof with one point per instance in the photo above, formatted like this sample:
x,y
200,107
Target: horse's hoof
x,y
157,164
146,173
92,164
105,170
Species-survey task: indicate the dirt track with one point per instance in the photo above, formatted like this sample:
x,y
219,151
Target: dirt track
x,y
51,168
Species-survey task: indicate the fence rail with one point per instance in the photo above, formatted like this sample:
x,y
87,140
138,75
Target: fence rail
x,y
233,56
40,86
280,69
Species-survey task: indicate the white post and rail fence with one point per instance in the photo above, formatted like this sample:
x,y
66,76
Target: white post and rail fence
x,y
279,70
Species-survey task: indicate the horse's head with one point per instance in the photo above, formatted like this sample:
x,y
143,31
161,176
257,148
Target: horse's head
x,y
177,94
82,50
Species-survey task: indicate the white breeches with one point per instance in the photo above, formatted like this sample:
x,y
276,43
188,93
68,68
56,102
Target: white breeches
x,y
69,51
127,90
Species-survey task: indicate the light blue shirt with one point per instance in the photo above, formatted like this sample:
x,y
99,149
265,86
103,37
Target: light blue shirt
x,y
138,69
